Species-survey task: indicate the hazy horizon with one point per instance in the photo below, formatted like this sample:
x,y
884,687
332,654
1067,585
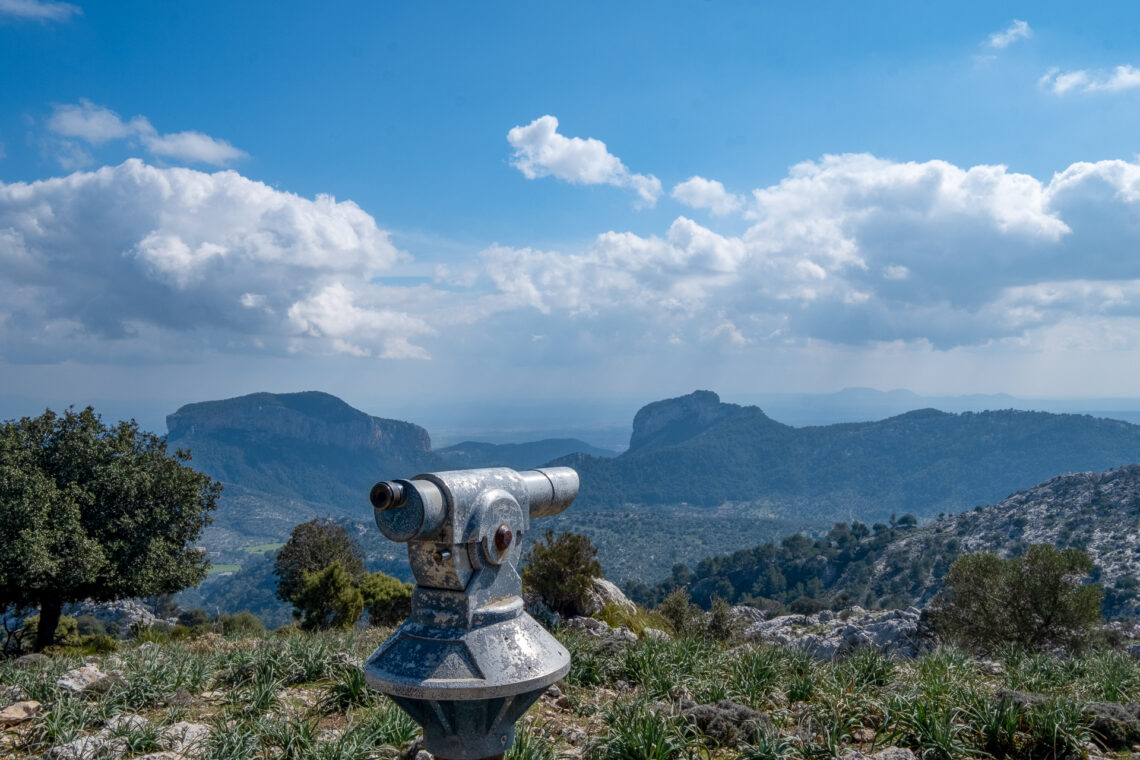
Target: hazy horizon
x,y
607,423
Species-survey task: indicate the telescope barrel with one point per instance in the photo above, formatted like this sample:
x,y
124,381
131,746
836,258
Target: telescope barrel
x,y
551,489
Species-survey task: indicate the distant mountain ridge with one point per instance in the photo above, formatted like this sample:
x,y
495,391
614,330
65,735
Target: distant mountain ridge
x,y
697,450
520,456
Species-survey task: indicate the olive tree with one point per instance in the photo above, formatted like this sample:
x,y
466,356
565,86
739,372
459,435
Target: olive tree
x,y
95,511
1037,601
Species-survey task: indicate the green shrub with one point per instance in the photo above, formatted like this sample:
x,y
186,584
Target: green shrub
x,y
683,616
66,633
329,598
312,547
89,625
98,643
387,600
560,569
194,618
243,623
1035,601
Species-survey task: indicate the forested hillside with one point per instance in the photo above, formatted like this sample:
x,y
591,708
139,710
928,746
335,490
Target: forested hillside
x,y
700,451
901,563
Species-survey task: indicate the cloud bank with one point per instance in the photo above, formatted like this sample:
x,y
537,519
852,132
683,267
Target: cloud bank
x,y
143,261
541,151
150,264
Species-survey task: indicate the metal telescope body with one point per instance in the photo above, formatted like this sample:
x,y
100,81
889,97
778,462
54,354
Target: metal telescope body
x,y
469,661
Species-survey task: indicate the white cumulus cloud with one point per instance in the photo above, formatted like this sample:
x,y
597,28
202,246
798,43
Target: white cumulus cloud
x,y
1017,30
97,125
155,260
855,249
698,192
541,151
1123,77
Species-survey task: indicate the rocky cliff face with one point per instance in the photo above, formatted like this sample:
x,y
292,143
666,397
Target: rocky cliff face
x,y
285,458
666,422
311,417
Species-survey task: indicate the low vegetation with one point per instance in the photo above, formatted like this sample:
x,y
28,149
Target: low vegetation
x,y
293,694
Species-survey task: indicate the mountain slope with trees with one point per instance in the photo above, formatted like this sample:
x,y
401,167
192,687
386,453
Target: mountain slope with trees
x,y
902,563
699,451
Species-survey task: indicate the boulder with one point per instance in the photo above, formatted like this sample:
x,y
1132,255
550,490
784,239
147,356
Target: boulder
x,y
893,753
617,638
10,694
827,636
87,679
538,610
83,748
124,722
34,660
746,615
587,625
19,712
125,614
603,592
1115,725
187,739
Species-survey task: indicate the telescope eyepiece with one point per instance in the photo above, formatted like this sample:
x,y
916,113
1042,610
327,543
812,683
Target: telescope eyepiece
x,y
387,495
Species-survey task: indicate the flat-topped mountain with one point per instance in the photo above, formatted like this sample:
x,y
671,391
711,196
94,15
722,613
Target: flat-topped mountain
x,y
700,451
287,457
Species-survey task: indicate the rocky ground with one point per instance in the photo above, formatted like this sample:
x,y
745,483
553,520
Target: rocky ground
x,y
853,684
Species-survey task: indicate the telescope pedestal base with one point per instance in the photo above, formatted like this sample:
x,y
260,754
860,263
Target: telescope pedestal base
x,y
470,730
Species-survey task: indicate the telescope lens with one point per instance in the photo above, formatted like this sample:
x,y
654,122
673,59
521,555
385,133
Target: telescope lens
x,y
386,495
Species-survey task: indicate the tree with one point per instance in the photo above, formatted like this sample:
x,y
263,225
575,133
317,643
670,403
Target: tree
x,y
561,570
97,512
1036,601
313,546
387,599
329,598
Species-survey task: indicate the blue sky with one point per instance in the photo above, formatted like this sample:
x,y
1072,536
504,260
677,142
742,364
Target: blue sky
x,y
401,202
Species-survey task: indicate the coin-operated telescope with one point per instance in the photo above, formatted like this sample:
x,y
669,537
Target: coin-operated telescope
x,y
469,661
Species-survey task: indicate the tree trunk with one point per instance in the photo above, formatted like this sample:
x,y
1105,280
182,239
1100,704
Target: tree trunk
x,y
50,608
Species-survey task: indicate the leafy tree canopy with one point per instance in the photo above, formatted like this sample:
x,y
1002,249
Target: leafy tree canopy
x,y
92,511
311,547
1036,601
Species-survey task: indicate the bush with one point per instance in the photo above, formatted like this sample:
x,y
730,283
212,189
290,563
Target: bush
x,y
66,633
1036,601
192,618
329,598
560,570
242,623
387,600
683,616
89,625
98,643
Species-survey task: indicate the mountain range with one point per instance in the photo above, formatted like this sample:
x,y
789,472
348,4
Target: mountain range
x,y
700,478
